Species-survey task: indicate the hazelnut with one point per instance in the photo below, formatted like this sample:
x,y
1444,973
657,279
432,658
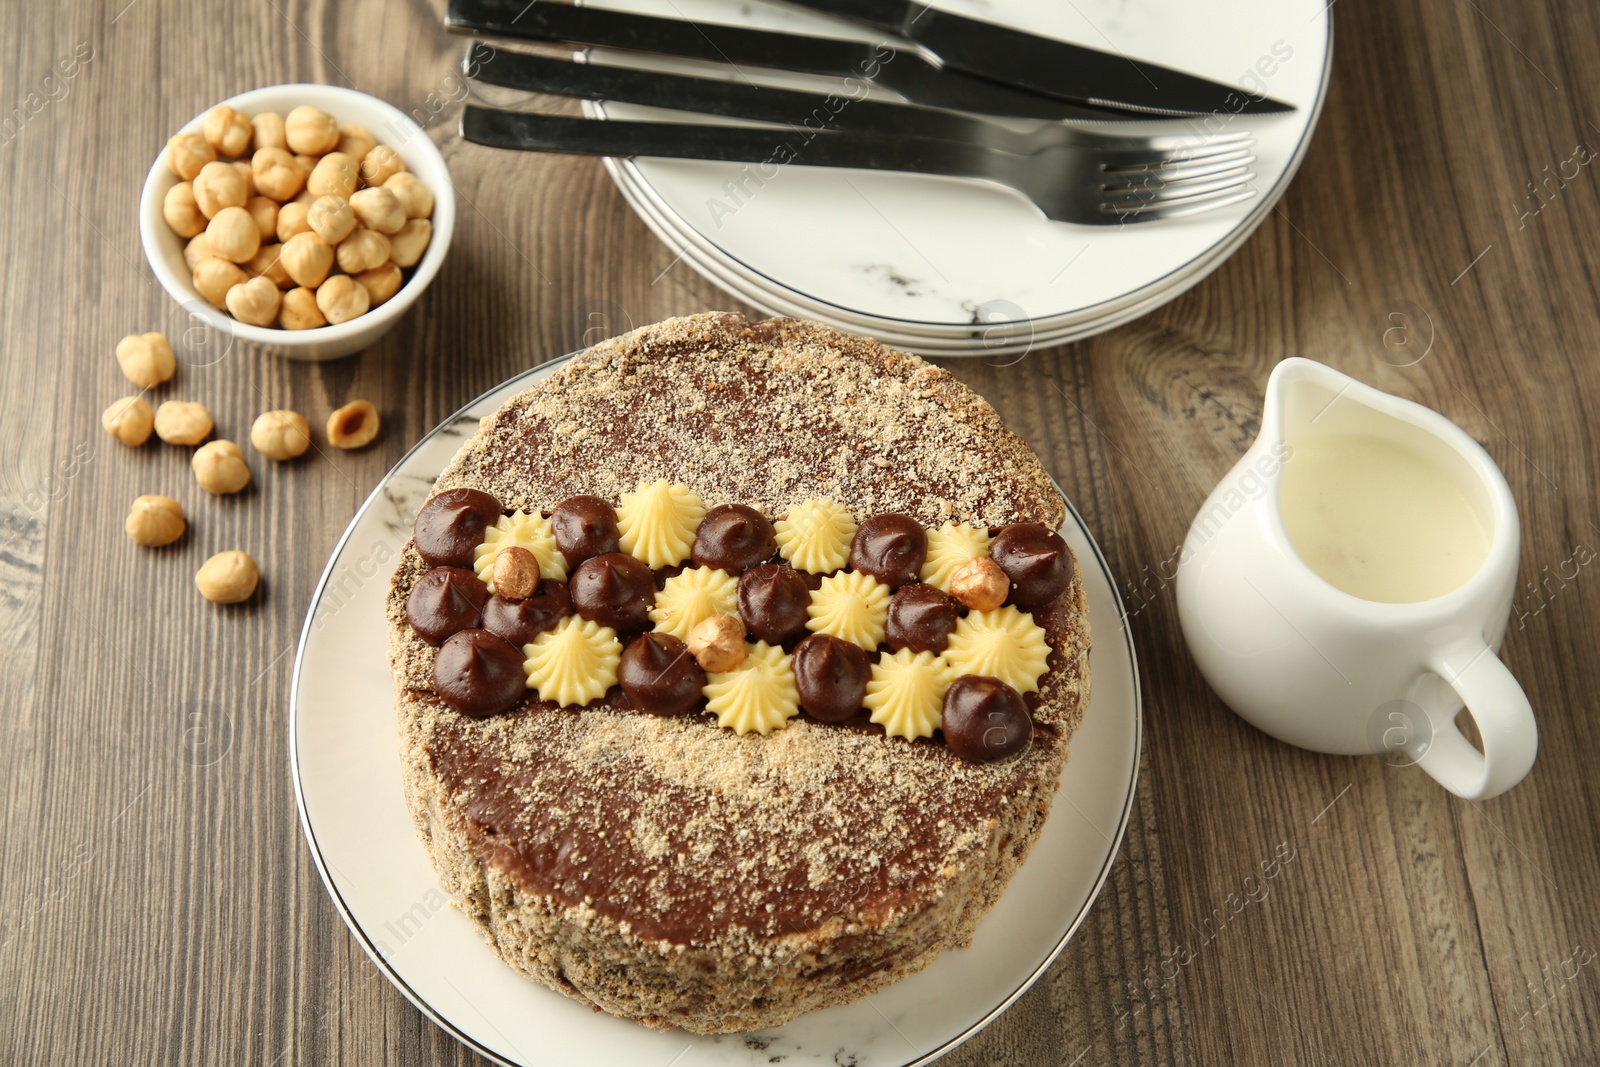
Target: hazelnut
x,y
292,220
363,250
214,276
265,211
233,234
268,130
220,468
255,301
276,173
414,197
227,130
146,359
407,245
183,422
381,282
310,131
187,153
154,521
378,209
334,175
980,584
181,211
243,167
717,643
381,164
353,425
516,573
331,219
197,249
300,311
269,263
218,186
355,141
129,420
281,435
341,299
307,258
227,578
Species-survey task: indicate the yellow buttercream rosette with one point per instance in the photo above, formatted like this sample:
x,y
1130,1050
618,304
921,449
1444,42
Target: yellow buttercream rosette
x,y
1005,644
758,696
950,547
524,530
850,606
657,522
906,693
574,663
815,536
692,596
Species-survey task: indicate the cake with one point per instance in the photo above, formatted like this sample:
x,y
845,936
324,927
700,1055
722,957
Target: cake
x,y
717,866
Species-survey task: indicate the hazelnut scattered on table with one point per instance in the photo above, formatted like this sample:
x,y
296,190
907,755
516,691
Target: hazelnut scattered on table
x,y
717,643
220,468
183,422
354,425
281,435
228,577
146,359
980,584
303,201
129,420
154,521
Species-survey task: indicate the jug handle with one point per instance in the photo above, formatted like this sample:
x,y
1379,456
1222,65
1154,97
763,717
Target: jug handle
x,y
1505,723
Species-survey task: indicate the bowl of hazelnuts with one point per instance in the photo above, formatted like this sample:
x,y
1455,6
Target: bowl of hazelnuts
x,y
301,219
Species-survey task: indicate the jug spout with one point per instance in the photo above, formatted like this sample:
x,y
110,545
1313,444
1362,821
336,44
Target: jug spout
x,y
1305,398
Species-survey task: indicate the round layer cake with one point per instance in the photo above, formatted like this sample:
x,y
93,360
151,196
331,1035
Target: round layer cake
x,y
664,868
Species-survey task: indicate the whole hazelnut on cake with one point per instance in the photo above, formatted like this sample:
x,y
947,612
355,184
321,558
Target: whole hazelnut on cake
x,y
717,643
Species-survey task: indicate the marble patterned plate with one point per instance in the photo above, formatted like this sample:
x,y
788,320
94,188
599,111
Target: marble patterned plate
x,y
952,267
345,762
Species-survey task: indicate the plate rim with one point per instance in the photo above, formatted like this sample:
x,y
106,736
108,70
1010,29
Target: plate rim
x,y
365,941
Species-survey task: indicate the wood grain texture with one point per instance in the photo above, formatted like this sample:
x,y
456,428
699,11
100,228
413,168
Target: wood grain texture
x,y
157,902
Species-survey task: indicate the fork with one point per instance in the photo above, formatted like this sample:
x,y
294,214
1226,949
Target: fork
x,y
1096,187
591,81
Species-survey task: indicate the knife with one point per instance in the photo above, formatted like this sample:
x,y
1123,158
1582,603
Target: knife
x,y
907,73
814,111
1045,65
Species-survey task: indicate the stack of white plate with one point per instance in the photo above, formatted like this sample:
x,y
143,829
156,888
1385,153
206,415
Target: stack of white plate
x,y
954,267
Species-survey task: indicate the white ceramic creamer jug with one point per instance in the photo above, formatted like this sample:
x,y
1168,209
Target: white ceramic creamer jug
x,y
1345,588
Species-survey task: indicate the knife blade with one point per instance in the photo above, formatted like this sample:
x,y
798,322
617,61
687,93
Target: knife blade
x,y
907,73
1046,65
814,111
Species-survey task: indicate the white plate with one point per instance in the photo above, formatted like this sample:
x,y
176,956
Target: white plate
x,y
345,758
907,256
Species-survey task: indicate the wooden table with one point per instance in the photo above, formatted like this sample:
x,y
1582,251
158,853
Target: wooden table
x,y
157,900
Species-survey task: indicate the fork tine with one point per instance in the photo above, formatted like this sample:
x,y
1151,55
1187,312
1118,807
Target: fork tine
x,y
1176,176
1211,194
1121,162
1177,211
1164,193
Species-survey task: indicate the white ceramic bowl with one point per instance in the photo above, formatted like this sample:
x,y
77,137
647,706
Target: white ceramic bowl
x,y
390,126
